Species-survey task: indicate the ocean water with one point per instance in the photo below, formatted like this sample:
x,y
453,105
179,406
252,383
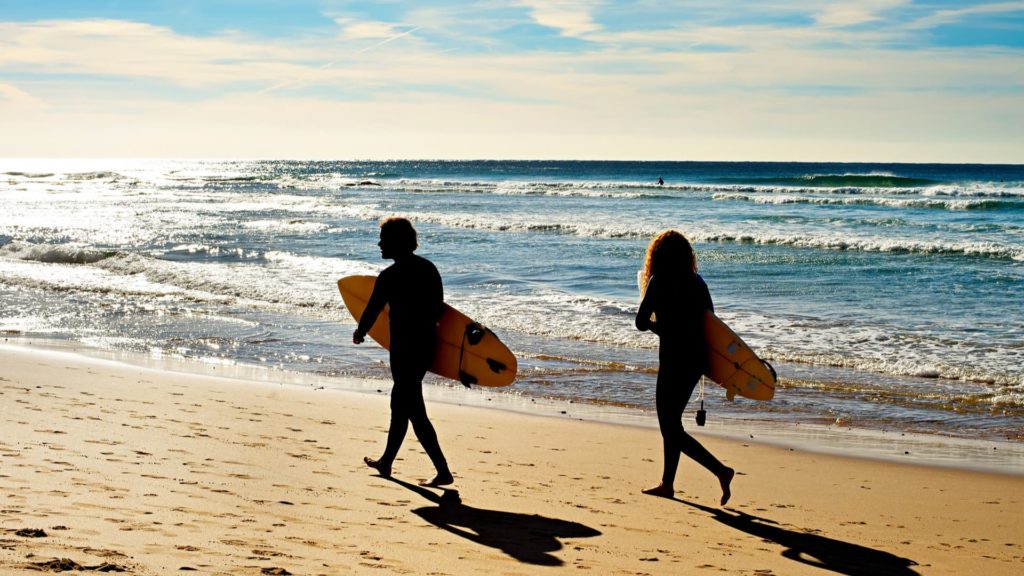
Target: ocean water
x,y
887,296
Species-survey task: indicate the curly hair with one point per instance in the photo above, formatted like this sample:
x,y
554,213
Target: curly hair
x,y
668,254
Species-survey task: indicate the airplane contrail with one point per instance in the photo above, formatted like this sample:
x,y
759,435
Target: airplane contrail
x,y
386,40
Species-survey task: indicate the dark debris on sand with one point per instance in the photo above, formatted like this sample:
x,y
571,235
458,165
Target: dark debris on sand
x,y
68,565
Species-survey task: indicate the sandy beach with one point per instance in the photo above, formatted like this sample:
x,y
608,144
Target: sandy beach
x,y
111,467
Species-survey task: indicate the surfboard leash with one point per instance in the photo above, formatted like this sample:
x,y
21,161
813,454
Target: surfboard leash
x,y
702,416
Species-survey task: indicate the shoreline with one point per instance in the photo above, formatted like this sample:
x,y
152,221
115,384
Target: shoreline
x,y
981,455
153,471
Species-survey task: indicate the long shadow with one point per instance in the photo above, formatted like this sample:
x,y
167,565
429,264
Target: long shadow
x,y
528,538
813,549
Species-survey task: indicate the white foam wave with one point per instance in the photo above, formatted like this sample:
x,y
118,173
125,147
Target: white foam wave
x,y
296,283
710,232
549,313
195,248
67,278
53,253
287,226
918,365
932,203
637,189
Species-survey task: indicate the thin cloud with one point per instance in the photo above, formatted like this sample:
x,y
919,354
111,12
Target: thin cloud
x,y
572,17
353,30
19,98
845,14
472,73
386,40
947,17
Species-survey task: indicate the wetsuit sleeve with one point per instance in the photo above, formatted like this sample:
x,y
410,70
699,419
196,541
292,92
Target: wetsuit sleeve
x,y
643,315
706,296
378,298
440,296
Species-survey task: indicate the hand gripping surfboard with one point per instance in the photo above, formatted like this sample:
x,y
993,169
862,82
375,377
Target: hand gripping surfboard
x,y
466,351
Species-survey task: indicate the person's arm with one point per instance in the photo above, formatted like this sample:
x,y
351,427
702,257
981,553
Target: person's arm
x,y
708,304
643,315
440,297
372,311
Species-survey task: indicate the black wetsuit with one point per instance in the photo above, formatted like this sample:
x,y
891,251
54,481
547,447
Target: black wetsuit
x,y
678,305
411,287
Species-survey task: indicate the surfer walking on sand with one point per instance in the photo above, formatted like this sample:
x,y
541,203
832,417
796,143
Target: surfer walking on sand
x,y
674,300
411,287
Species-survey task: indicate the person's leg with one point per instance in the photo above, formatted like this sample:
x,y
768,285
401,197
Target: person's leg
x,y
695,450
669,407
670,414
425,433
673,393
399,422
698,453
408,377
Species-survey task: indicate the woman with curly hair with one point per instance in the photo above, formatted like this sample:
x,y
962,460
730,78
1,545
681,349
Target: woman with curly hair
x,y
674,300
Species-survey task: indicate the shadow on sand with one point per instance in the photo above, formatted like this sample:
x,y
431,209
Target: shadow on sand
x,y
526,537
813,549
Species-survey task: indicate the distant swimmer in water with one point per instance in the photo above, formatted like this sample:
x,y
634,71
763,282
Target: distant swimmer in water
x,y
660,181
675,298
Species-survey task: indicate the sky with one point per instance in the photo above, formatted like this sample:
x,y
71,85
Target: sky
x,y
807,80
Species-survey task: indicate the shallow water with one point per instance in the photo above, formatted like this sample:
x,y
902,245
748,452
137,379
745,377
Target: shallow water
x,y
886,296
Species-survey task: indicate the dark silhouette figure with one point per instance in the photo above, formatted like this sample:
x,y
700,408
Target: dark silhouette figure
x,y
528,538
660,181
674,300
412,290
816,550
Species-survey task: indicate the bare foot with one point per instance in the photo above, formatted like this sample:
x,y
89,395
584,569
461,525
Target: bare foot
x,y
725,479
385,471
660,490
442,479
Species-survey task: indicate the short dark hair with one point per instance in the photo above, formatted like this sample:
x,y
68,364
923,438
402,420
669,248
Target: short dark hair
x,y
400,232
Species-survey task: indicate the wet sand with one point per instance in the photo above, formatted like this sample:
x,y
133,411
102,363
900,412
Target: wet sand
x,y
107,466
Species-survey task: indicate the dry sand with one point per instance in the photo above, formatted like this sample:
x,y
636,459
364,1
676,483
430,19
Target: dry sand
x,y
107,466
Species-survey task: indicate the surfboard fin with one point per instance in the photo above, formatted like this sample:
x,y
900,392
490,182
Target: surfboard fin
x,y
475,333
467,379
496,367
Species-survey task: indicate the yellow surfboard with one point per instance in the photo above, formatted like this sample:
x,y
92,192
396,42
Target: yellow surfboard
x,y
466,351
733,365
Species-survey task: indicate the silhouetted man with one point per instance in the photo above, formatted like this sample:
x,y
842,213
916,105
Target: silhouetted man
x,y
411,287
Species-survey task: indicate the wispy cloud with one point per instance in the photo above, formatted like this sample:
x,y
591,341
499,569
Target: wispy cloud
x,y
571,17
854,13
946,17
361,30
479,78
138,50
20,99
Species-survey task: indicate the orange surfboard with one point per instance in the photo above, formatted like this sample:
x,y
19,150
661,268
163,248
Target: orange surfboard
x,y
733,365
466,351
